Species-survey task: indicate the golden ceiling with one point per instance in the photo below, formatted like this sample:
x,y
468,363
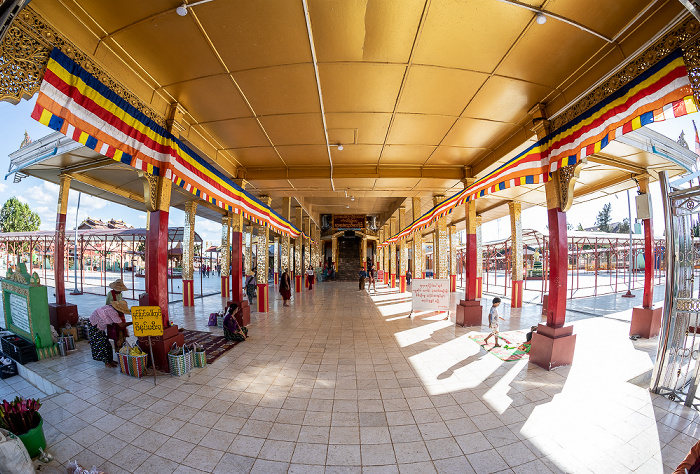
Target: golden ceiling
x,y
414,90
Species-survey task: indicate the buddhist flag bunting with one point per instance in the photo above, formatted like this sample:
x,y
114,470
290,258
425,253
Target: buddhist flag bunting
x,y
75,103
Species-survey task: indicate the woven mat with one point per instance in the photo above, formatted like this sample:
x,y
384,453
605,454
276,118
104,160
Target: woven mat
x,y
512,348
215,346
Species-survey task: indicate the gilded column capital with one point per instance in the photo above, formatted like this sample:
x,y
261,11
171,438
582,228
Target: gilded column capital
x,y
156,192
560,188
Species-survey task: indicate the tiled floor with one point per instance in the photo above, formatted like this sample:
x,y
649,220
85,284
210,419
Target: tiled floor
x,y
344,382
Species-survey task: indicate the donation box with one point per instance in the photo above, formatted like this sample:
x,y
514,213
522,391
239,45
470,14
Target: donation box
x,y
26,305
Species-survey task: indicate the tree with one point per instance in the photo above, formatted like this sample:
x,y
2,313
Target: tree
x,y
16,216
624,227
569,226
604,218
580,227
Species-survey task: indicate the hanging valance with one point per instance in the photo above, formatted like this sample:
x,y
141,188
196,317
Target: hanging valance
x,y
75,103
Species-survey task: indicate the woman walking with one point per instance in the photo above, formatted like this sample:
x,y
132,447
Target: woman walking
x,y
310,277
250,285
286,288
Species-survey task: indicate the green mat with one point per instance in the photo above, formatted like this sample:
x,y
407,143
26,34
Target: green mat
x,y
513,345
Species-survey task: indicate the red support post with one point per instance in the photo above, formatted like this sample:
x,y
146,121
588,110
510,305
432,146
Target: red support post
x,y
646,320
553,343
157,262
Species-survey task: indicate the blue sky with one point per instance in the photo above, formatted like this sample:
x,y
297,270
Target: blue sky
x,y
42,196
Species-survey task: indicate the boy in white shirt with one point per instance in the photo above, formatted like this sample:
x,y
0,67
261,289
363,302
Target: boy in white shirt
x,y
493,322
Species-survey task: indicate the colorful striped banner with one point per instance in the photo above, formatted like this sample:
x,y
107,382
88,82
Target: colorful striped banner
x,y
660,93
75,103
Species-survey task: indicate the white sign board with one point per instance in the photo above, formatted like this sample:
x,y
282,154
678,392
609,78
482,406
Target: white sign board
x,y
430,295
19,312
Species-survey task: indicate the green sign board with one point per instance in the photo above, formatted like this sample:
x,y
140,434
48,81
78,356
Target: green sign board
x,y
26,307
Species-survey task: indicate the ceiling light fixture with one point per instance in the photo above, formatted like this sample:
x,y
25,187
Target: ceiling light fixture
x,y
182,9
541,18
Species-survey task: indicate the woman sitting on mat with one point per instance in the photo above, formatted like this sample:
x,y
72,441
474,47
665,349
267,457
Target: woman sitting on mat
x,y
232,330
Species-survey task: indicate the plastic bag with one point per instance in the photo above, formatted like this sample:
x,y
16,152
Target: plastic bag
x,y
75,468
14,457
126,347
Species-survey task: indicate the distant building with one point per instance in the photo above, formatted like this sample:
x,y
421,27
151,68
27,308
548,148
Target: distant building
x,y
92,223
614,228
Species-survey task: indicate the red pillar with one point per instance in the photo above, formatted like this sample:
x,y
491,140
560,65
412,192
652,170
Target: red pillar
x,y
298,283
277,278
392,280
648,299
553,343
469,310
188,292
402,283
516,300
61,312
263,303
237,295
237,266
646,320
157,262
453,283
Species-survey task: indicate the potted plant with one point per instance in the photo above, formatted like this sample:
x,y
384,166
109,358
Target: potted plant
x,y
21,417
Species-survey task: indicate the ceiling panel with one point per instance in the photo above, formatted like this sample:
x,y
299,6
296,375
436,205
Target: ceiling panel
x,y
169,61
410,129
472,35
505,100
371,127
238,133
356,154
439,91
405,154
257,157
280,90
615,18
113,16
360,87
257,33
295,155
473,133
364,31
453,155
295,129
196,97
574,47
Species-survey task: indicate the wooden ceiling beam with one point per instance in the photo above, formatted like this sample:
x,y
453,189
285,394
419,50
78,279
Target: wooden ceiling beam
x,y
602,159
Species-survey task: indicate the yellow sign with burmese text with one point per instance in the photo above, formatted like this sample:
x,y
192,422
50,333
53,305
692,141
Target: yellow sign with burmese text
x,y
147,320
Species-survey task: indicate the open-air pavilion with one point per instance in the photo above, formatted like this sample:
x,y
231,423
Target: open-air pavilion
x,y
342,133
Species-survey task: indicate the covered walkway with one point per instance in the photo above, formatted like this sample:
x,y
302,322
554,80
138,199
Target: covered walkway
x,y
342,381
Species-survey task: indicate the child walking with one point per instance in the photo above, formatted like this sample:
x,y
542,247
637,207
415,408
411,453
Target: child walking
x,y
493,322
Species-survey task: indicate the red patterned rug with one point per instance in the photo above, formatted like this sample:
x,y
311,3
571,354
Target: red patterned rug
x,y
215,346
